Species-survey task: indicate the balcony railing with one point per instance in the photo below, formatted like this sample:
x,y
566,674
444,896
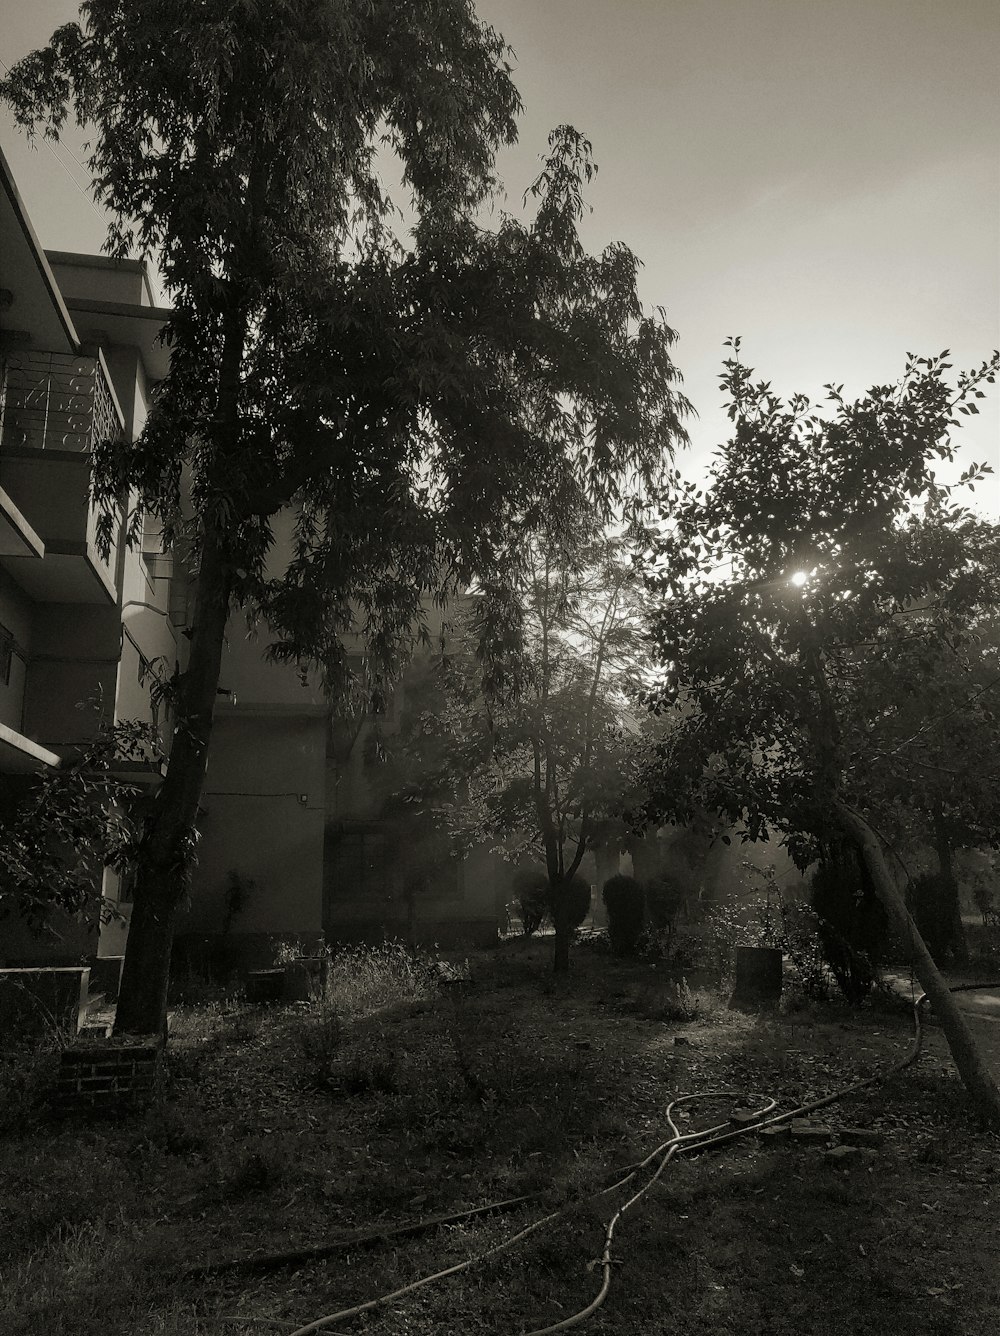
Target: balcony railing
x,y
56,401
54,409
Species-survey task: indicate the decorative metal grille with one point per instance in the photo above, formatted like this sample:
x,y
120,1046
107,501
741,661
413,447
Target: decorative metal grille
x,y
54,401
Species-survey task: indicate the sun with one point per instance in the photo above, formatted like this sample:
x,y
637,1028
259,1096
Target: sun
x,y
798,578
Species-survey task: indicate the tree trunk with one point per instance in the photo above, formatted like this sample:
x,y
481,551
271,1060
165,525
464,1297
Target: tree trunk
x,y
166,854
946,864
560,956
142,999
975,1074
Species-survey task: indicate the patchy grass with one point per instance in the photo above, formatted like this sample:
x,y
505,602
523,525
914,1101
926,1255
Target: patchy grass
x,y
397,1098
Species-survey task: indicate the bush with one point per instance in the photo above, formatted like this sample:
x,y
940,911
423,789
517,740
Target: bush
x,y
852,926
531,891
764,920
625,902
664,901
569,903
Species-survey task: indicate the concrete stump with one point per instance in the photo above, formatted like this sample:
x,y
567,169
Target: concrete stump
x,y
306,979
265,985
758,978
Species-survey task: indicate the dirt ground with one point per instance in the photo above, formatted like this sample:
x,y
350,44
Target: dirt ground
x,y
292,1127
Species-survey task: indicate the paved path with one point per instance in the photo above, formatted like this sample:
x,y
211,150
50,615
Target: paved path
x,y
982,1008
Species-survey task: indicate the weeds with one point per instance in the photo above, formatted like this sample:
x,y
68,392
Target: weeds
x,y
26,1078
364,979
671,1000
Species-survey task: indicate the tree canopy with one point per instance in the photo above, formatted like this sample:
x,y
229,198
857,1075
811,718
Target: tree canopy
x,y
549,762
420,403
809,599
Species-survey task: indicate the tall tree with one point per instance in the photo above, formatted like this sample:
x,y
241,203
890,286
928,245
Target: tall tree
x,y
419,406
549,758
838,540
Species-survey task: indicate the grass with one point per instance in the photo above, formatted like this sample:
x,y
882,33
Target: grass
x,y
395,1099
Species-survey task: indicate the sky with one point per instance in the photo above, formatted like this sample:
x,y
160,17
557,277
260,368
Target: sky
x,y
821,177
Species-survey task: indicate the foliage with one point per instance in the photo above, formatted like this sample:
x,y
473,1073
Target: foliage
x,y
766,919
531,891
370,978
851,923
73,821
625,901
929,901
569,902
985,897
664,901
854,585
552,765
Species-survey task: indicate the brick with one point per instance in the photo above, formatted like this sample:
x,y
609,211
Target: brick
x,y
862,1136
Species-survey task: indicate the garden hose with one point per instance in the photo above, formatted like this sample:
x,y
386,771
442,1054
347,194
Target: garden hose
x,y
678,1143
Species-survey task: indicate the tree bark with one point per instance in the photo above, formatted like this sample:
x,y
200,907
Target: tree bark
x,y
972,1069
165,859
560,955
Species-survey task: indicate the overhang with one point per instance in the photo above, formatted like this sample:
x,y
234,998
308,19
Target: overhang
x,y
20,756
17,538
35,310
129,325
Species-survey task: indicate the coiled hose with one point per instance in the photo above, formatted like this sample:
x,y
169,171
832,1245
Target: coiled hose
x,y
678,1143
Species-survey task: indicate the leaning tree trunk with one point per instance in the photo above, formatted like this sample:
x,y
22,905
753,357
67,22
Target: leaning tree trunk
x,y
165,857
972,1069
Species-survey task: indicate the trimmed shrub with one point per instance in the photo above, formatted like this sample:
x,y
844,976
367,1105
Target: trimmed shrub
x,y
569,902
852,926
664,901
531,892
625,901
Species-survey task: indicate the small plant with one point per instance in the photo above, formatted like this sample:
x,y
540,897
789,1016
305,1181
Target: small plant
x,y
243,1027
322,1043
287,950
669,1001
238,894
625,902
253,1168
371,1073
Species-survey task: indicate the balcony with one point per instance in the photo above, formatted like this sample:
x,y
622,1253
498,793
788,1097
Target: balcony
x,y
55,407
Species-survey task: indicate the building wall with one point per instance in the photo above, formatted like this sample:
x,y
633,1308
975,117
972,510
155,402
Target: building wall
x,y
263,818
98,276
73,672
15,616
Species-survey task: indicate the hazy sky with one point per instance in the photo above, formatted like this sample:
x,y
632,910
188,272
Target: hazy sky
x,y
819,176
